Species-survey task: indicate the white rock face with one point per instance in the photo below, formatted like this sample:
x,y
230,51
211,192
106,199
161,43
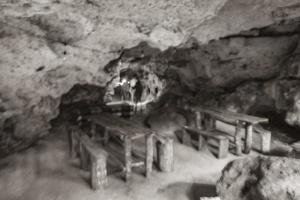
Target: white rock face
x,y
48,46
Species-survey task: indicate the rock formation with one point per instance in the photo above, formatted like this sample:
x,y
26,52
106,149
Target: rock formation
x,y
203,46
260,178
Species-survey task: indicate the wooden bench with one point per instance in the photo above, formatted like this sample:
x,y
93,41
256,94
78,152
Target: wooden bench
x,y
217,141
94,158
207,118
165,153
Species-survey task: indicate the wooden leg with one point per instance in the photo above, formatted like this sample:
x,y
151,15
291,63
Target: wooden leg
x,y
165,155
211,123
106,136
98,173
238,138
208,121
198,120
201,142
248,139
72,143
93,130
149,155
128,158
186,138
223,148
266,142
84,158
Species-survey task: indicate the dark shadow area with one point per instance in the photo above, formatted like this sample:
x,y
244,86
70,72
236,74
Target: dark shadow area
x,y
279,128
198,190
190,191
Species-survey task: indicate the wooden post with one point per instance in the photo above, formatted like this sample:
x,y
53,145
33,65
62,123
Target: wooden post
x,y
165,154
72,143
106,136
128,158
84,157
223,148
212,123
209,122
198,120
248,138
205,120
201,142
149,155
266,142
186,138
93,130
238,138
201,139
98,172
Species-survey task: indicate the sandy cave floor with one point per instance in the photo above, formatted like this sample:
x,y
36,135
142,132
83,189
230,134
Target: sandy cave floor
x,y
45,172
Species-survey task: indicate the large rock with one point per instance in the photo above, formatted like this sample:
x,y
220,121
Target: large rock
x,y
260,178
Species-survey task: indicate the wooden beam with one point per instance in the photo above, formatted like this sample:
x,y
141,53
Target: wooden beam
x,y
165,154
248,139
149,154
99,172
128,158
238,138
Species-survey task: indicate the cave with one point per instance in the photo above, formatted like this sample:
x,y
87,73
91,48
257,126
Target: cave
x,y
194,99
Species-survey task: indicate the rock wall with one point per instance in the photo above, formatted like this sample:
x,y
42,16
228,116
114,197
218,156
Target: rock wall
x,y
46,47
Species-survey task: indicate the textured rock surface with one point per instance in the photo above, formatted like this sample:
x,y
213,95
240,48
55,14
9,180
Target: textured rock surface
x,y
260,178
46,47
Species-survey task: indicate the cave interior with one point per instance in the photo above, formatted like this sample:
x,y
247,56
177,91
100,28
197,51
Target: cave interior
x,y
50,102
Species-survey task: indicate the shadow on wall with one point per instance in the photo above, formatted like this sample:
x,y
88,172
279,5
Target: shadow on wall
x,y
188,191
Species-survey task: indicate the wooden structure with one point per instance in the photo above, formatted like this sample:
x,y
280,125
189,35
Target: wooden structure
x,y
165,153
242,140
218,143
92,157
245,129
120,108
127,132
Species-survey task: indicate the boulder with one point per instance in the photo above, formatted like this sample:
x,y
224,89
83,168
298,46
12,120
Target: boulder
x,y
260,178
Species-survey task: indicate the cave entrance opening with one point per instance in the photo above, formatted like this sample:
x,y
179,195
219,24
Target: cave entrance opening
x,y
134,84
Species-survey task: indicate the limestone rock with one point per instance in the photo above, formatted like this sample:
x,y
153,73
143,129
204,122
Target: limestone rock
x,y
260,178
48,46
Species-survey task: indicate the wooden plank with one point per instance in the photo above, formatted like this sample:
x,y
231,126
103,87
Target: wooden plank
x,y
149,155
92,147
212,133
248,140
231,117
198,118
165,153
223,148
128,158
98,172
119,125
238,138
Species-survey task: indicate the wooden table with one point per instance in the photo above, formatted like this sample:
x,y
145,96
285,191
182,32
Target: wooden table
x,y
127,131
239,120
